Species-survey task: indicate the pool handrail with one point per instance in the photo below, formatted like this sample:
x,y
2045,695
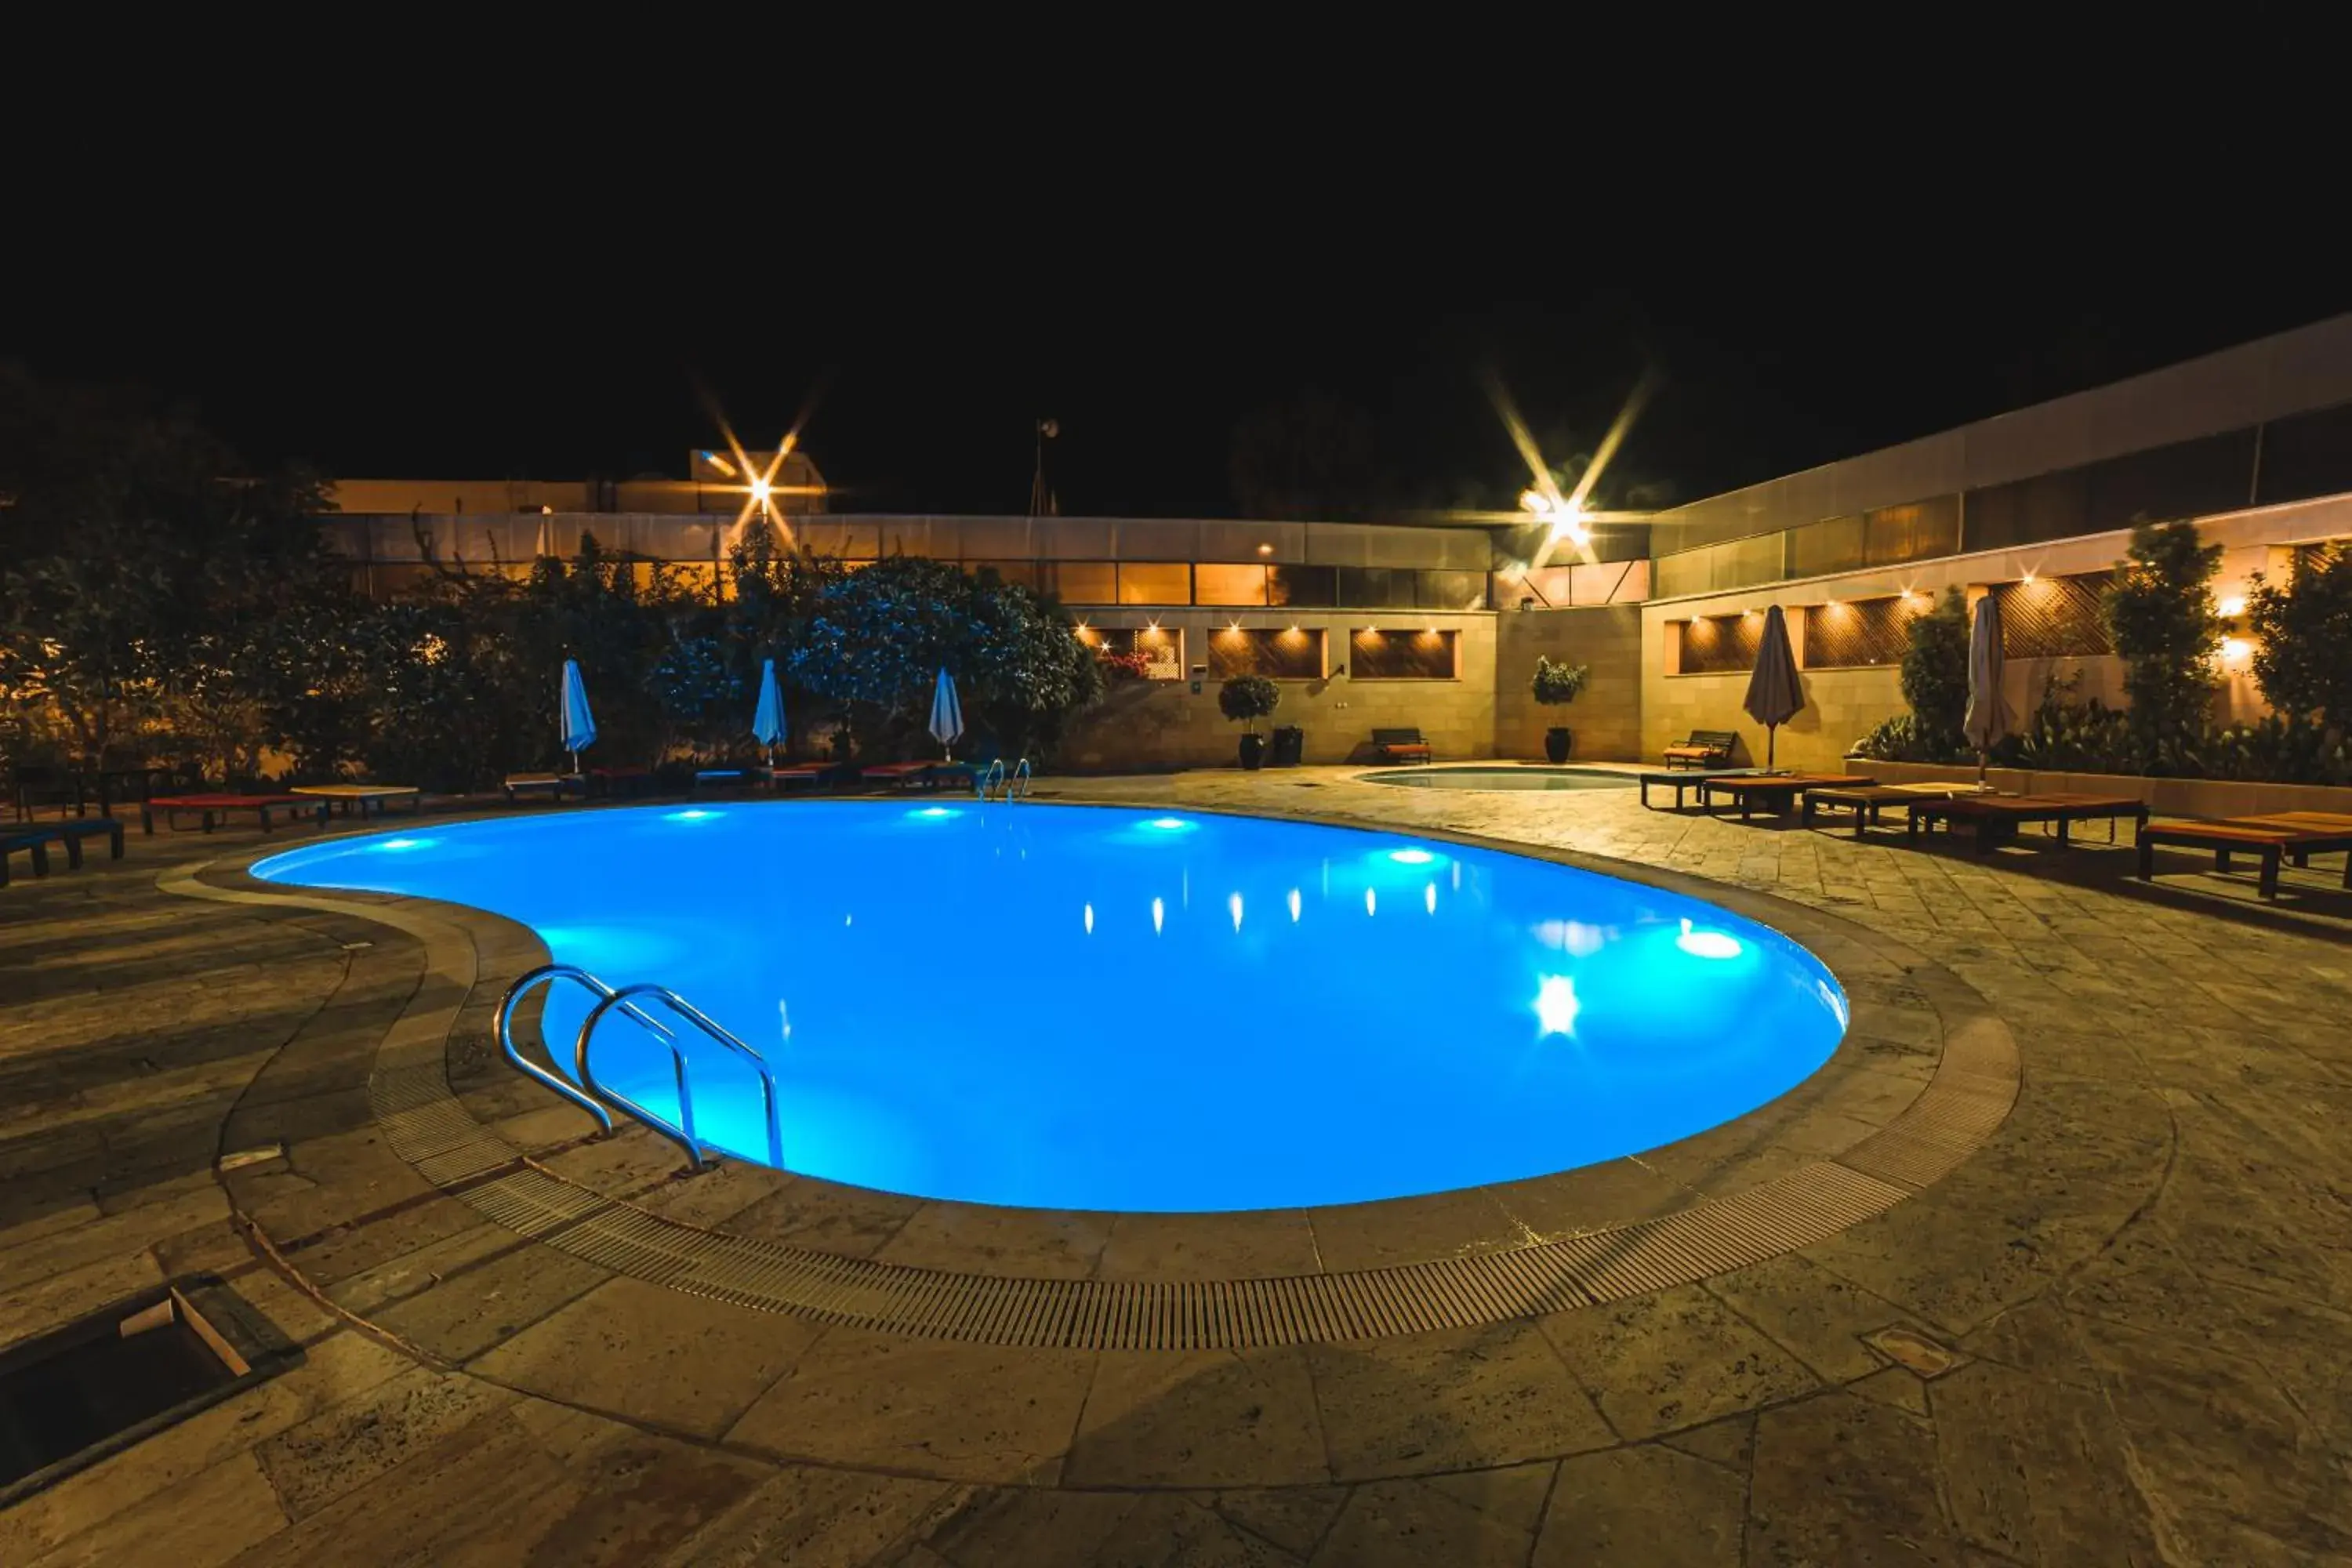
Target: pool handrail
x,y
990,777
592,1097
682,1131
1016,787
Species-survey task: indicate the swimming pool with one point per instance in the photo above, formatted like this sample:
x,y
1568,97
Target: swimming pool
x,y
1515,777
1099,1008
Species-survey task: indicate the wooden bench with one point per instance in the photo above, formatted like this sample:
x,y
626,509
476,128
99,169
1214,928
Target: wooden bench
x,y
360,800
1868,801
905,775
1703,749
1680,780
551,784
213,808
32,843
1996,818
1773,792
2226,838
814,774
1404,745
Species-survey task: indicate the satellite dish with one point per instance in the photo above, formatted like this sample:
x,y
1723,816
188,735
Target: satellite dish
x,y
1049,427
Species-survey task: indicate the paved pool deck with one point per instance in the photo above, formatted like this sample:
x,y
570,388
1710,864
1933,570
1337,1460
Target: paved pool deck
x,y
2098,1310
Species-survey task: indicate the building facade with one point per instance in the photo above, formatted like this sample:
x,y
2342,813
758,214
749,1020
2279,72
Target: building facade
x,y
1367,625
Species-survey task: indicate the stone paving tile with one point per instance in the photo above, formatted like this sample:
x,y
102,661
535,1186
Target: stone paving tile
x,y
1816,1317
816,1518
1203,1418
469,1310
854,1222
1406,1230
212,1517
1677,1358
1392,1524
1295,1518
923,1407
1837,1479
1453,1400
653,1356
1038,1244
1647,1504
1259,1244
353,1442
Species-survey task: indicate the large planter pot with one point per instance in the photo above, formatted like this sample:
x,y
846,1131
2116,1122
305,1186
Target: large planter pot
x,y
1557,741
1252,750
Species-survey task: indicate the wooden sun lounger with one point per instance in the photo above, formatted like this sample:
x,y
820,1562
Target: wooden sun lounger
x,y
810,774
1683,779
1996,818
1868,801
552,785
32,843
903,775
35,842
1773,792
212,807
2301,822
361,800
2226,838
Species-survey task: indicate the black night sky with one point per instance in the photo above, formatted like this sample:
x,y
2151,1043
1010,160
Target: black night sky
x,y
392,329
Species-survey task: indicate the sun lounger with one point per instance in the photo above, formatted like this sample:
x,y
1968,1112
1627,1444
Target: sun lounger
x,y
2268,843
727,778
905,776
1704,749
361,800
552,786
2301,822
1996,818
1773,792
1680,780
1868,802
213,808
813,775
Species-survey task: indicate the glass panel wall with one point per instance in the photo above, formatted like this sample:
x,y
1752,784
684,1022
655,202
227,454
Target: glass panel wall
x,y
1385,654
1279,655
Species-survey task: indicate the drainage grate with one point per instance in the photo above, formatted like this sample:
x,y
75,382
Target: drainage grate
x,y
71,1396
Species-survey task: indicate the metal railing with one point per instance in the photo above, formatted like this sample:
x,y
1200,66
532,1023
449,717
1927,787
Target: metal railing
x,y
592,1095
995,783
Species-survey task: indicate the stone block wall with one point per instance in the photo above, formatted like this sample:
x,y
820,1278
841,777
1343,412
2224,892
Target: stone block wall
x,y
1146,724
1607,719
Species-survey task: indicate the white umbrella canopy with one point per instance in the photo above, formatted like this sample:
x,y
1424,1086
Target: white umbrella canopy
x,y
576,727
947,712
1775,693
768,715
1988,716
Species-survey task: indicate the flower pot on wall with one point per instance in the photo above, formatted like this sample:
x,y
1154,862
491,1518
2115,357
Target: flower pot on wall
x,y
1252,750
1557,740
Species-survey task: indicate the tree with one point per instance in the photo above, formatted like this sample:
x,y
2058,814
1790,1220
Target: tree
x,y
145,565
1246,699
2302,648
1936,674
877,638
2159,612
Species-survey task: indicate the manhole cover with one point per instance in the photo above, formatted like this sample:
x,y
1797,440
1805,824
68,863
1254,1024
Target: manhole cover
x,y
1912,1350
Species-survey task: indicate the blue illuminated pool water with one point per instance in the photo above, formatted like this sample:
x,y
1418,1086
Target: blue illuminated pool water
x,y
1087,1007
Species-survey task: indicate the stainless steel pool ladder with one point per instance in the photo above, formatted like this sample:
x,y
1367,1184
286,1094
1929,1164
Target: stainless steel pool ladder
x,y
592,1095
997,783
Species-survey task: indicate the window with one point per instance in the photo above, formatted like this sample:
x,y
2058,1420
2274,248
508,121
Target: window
x,y
1022,572
1220,585
1155,583
1280,655
1721,645
1162,649
2309,455
1450,590
1862,633
1384,655
1082,582
2054,617
1375,588
1307,586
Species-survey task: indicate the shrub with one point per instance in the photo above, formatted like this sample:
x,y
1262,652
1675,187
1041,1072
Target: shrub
x,y
1248,698
2302,651
1557,685
2158,611
1936,678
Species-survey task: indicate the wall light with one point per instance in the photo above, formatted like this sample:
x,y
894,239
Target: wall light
x,y
2234,649
2232,608
1265,550
2029,579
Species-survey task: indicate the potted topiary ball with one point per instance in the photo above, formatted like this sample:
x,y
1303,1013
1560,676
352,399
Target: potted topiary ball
x,y
1249,698
1556,686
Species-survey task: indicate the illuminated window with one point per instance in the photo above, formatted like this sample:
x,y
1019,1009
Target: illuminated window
x,y
1083,582
1721,645
1861,633
1281,654
1219,584
1155,583
1157,652
1403,655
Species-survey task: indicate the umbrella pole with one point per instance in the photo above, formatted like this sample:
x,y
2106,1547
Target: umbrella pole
x,y
576,762
1981,771
1771,743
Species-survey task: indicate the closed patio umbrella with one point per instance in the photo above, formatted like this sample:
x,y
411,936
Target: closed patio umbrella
x,y
768,716
1775,695
1988,716
576,724
947,713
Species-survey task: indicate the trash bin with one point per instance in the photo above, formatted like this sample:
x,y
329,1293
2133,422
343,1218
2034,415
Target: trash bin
x,y
1289,745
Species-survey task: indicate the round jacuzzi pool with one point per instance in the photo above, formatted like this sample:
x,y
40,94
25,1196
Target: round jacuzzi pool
x,y
1523,776
1099,1008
